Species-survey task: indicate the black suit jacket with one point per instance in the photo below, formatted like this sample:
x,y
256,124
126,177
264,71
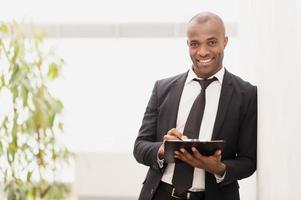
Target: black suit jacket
x,y
236,122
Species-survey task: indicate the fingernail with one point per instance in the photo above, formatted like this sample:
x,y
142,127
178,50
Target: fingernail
x,y
184,137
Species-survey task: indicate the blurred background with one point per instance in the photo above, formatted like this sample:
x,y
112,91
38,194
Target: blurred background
x,y
115,50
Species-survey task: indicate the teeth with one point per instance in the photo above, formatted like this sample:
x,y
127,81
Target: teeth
x,y
205,61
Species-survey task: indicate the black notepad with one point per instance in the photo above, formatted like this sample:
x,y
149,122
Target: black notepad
x,y
206,148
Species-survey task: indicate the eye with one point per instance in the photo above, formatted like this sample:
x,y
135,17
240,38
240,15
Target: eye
x,y
212,42
194,44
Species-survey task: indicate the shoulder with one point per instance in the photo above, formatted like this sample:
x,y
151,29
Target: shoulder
x,y
239,83
173,79
163,86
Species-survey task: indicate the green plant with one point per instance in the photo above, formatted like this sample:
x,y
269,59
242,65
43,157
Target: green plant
x,y
31,153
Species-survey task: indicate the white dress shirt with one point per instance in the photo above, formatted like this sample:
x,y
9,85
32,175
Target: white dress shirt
x,y
190,92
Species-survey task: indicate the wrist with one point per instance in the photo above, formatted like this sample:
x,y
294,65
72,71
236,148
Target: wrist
x,y
161,152
221,169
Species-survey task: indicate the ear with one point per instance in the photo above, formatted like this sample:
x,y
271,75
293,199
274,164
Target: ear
x,y
225,41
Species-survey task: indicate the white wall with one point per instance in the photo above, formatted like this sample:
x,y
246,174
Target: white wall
x,y
270,35
108,176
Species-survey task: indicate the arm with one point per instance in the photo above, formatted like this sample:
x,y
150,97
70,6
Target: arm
x,y
244,164
146,145
149,143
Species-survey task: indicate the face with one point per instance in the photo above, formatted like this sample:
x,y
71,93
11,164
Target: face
x,y
206,42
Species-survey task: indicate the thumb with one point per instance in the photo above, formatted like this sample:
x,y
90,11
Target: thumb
x,y
218,152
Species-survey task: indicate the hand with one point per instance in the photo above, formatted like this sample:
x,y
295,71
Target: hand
x,y
172,134
212,164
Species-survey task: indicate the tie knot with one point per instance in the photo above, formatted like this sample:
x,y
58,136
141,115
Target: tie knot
x,y
205,82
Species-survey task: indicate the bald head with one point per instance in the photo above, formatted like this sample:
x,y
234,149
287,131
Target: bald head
x,y
207,17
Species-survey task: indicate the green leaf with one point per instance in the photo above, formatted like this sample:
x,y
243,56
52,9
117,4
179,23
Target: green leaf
x,y
11,193
51,120
15,130
12,148
15,92
61,126
53,71
58,106
4,28
16,53
2,80
5,174
1,148
24,93
10,154
15,75
29,174
4,123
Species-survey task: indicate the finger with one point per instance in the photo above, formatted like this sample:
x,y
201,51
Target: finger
x,y
161,151
184,137
192,160
171,130
170,137
196,153
186,157
175,133
218,152
179,154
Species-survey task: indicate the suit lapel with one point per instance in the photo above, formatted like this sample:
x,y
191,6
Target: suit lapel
x,y
173,100
225,97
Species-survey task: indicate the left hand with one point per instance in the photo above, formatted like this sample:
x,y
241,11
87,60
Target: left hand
x,y
211,164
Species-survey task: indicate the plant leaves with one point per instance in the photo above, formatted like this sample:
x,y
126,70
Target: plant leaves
x,y
28,143
53,71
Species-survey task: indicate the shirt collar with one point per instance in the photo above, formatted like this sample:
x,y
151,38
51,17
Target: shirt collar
x,y
219,75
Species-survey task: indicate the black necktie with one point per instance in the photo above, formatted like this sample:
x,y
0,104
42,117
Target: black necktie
x,y
183,173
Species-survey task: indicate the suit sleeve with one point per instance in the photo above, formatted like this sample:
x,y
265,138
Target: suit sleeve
x,y
146,145
244,164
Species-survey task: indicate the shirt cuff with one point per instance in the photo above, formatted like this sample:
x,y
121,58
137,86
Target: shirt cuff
x,y
160,161
219,178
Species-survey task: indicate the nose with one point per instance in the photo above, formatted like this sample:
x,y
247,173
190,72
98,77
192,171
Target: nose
x,y
202,51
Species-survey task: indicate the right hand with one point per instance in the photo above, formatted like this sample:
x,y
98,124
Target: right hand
x,y
172,134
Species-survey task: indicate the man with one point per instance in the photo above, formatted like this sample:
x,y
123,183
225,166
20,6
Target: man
x,y
230,114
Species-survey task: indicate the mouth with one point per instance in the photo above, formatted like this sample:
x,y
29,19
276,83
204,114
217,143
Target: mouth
x,y
204,61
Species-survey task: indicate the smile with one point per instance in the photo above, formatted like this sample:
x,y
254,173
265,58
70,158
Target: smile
x,y
204,62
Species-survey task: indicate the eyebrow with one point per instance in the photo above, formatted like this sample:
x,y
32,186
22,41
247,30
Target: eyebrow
x,y
193,41
209,39
212,38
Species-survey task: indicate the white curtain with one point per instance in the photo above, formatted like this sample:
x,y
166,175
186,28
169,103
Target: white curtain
x,y
270,33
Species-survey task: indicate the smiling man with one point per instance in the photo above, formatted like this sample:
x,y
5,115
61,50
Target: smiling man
x,y
207,103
